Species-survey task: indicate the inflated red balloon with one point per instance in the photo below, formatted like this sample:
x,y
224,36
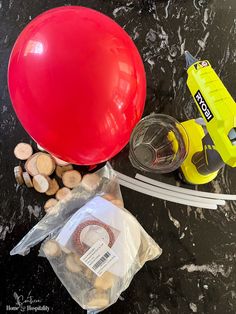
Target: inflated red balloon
x,y
77,84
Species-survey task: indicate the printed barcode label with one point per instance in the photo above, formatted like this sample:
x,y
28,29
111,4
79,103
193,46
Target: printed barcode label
x,y
99,258
102,260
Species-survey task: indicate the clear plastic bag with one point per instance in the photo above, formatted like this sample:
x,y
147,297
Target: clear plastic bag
x,y
94,245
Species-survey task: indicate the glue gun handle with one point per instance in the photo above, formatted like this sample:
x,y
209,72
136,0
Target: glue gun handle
x,y
208,160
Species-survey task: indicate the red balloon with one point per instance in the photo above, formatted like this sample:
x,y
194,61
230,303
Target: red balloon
x,y
77,84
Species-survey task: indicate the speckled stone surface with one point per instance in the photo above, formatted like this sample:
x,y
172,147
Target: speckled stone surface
x,y
197,271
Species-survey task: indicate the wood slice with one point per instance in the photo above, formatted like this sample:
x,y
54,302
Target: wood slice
x,y
71,178
51,248
18,175
108,197
27,180
50,203
60,162
63,193
30,165
90,182
40,148
118,203
61,169
23,151
45,164
73,263
41,183
97,299
53,211
53,187
106,281
65,250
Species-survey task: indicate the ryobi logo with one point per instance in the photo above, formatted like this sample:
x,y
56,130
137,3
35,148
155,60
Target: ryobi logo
x,y
203,106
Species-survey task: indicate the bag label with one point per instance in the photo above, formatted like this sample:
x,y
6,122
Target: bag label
x,y
99,258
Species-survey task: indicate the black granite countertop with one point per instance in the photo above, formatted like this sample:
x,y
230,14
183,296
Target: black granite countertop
x,y
197,271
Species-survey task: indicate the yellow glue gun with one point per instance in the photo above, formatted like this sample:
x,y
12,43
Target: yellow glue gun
x,y
212,138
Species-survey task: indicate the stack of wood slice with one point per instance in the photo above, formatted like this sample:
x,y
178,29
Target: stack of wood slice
x,y
52,176
45,173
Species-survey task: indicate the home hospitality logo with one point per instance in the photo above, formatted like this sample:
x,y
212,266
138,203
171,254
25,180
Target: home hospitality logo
x,y
27,304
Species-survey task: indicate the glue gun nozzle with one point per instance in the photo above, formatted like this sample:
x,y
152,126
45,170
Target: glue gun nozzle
x,y
189,59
